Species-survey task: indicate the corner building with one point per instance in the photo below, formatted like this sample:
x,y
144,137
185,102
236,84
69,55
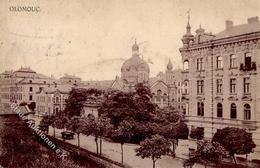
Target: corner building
x,y
223,75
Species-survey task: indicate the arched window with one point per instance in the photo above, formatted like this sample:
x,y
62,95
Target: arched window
x,y
233,111
200,109
219,110
186,65
159,92
247,112
219,62
57,99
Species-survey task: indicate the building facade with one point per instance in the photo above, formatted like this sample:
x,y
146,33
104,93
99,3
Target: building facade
x,y
21,86
222,72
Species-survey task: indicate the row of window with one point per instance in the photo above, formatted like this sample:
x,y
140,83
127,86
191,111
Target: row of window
x,y
219,85
233,110
219,62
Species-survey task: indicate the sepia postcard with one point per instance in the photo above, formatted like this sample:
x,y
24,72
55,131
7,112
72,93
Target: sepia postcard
x,y
129,83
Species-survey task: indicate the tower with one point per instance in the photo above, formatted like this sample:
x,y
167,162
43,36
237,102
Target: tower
x,y
188,38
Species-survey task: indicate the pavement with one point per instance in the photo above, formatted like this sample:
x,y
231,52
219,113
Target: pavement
x,y
113,151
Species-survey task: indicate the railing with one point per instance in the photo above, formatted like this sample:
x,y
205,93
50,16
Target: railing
x,y
248,67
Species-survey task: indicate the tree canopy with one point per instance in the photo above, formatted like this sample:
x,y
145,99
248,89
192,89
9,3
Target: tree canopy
x,y
235,140
208,152
153,148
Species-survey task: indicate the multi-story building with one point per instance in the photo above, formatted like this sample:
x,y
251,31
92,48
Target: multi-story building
x,y
168,88
222,72
21,86
52,99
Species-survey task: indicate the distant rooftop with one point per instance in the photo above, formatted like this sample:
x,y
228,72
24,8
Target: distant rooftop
x,y
253,25
26,70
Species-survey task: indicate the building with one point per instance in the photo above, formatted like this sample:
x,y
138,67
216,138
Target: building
x,y
52,99
168,88
134,70
222,72
21,86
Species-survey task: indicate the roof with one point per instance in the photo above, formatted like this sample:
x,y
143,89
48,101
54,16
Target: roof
x,y
135,62
26,70
65,89
251,27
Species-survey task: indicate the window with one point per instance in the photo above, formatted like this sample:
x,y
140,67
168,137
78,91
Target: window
x,y
30,97
30,81
247,60
186,65
247,85
57,99
219,85
31,89
247,112
57,110
219,62
200,109
232,85
233,111
219,110
159,92
233,61
200,87
199,64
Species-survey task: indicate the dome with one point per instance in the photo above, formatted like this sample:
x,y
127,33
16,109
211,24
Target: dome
x,y
169,66
136,64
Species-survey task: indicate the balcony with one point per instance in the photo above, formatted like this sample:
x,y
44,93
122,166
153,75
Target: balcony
x,y
248,67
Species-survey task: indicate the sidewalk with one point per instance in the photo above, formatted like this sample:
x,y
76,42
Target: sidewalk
x,y
113,151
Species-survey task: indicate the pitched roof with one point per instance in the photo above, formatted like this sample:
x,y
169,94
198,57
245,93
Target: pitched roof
x,y
239,30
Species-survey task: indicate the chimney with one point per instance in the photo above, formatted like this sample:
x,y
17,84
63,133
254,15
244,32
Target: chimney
x,y
252,20
229,24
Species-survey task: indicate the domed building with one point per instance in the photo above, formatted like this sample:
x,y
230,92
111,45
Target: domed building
x,y
134,70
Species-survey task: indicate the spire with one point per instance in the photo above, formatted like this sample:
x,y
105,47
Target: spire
x,y
188,37
135,47
188,27
169,65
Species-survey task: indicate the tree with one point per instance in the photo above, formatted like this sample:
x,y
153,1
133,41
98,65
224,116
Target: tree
x,y
235,141
173,132
153,148
123,134
77,98
129,106
75,102
59,121
47,120
197,133
90,128
103,127
98,128
76,124
208,152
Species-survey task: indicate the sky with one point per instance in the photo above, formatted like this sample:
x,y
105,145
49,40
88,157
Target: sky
x,y
92,38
